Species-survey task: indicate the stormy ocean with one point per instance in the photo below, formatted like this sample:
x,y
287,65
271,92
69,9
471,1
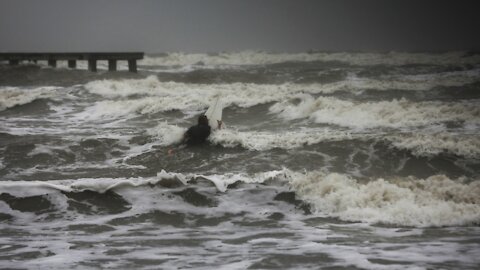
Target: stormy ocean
x,y
328,161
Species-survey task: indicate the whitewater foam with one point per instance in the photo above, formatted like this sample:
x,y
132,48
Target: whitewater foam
x,y
435,201
167,134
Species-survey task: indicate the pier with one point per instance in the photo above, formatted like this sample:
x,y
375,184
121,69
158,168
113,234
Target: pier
x,y
72,58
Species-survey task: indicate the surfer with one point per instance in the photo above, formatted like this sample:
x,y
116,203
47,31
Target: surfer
x,y
199,133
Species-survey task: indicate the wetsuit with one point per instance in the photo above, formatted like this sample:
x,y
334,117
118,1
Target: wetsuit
x,y
197,134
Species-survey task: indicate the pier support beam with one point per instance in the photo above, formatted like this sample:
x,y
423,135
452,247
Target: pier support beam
x,y
132,65
92,65
72,63
13,62
52,63
112,65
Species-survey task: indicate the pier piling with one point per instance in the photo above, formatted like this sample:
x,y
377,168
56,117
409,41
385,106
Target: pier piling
x,y
112,65
72,63
92,65
132,65
52,63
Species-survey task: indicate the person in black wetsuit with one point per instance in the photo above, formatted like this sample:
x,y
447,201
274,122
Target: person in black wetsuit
x,y
197,134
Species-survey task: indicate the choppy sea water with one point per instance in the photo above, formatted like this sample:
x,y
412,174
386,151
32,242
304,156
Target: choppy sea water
x,y
328,161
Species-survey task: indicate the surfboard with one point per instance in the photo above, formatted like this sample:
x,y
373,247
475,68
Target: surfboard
x,y
214,113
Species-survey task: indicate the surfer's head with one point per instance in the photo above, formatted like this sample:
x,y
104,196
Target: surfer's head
x,y
203,120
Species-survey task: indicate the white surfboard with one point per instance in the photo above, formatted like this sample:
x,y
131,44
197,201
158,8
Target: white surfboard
x,y
214,113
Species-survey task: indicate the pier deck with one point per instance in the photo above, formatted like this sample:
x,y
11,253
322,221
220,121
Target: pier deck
x,y
91,57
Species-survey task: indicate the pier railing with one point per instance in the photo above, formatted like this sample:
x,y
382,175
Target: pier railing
x,y
72,58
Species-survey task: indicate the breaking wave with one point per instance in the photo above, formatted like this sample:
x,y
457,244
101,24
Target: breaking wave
x,y
394,114
434,201
14,96
150,95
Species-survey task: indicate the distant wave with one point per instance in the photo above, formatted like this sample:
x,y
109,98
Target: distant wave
x,y
264,58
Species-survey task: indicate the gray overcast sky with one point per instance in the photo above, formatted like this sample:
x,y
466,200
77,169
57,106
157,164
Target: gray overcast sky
x,y
222,25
